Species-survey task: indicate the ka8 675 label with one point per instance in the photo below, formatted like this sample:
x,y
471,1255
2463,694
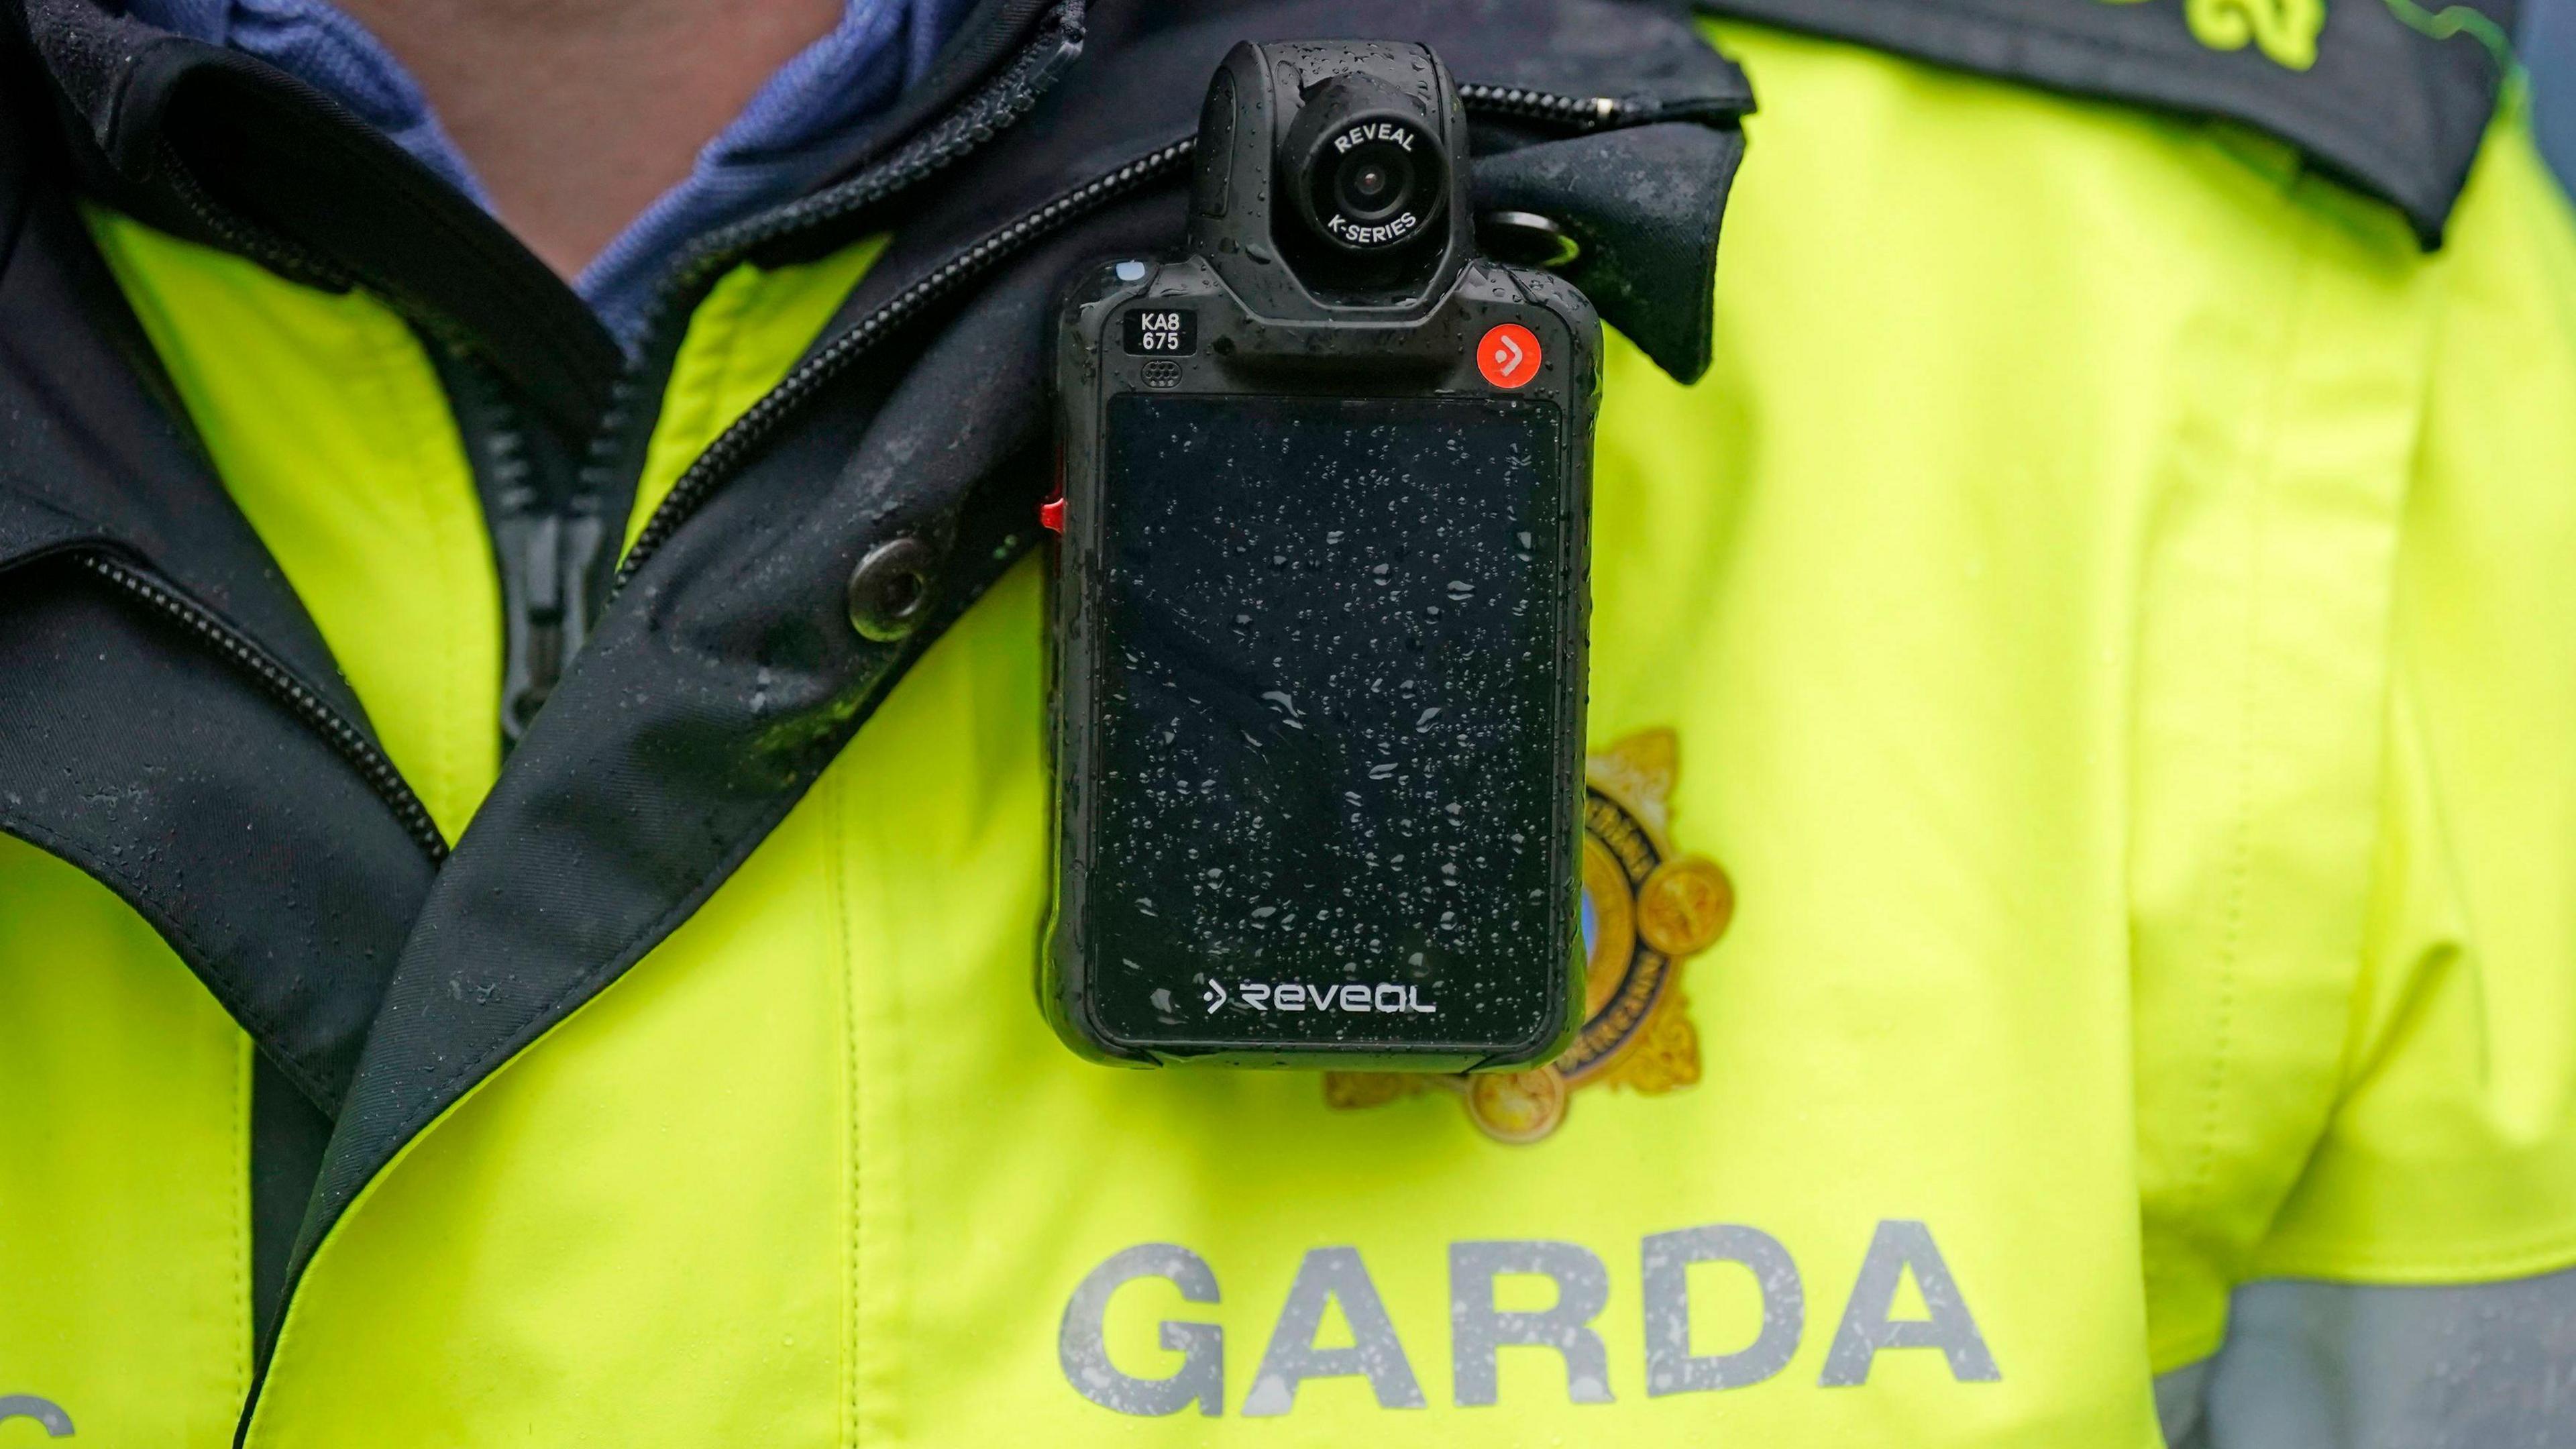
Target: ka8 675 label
x,y
1160,331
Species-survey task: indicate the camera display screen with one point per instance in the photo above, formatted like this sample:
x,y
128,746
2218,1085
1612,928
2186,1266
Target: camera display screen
x,y
1327,718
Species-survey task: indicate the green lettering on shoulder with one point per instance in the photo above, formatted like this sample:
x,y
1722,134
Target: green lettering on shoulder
x,y
2285,30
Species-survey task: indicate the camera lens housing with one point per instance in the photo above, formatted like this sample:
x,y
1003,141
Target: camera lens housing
x,y
1365,168
1331,177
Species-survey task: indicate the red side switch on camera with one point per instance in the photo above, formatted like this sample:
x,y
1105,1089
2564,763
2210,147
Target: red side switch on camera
x,y
1051,514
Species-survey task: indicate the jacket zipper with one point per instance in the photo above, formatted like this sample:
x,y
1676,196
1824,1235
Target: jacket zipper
x,y
256,242
711,468
551,557
748,431
964,131
565,557
350,741
544,535
1581,112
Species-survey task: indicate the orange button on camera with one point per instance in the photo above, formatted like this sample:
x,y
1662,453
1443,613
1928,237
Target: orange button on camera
x,y
1508,356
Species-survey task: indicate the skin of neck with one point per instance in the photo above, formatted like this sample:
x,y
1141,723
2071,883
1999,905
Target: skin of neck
x,y
577,114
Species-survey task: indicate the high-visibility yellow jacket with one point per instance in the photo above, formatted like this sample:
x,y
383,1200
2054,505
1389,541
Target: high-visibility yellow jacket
x,y
2108,609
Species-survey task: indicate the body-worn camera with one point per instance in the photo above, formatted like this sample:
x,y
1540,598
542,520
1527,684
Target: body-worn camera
x,y
1320,604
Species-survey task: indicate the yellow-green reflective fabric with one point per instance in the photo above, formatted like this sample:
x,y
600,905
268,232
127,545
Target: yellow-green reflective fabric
x,y
2077,498
2448,1157
327,424
743,338
124,1089
124,1185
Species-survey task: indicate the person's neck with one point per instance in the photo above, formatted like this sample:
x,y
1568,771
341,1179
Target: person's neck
x,y
576,114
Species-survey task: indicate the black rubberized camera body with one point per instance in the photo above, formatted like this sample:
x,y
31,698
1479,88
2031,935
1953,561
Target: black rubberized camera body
x,y
1320,602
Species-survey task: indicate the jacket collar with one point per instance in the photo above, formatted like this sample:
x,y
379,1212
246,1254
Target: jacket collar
x,y
232,152
98,451
228,150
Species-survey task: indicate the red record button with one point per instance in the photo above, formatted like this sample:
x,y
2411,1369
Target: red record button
x,y
1508,356
1051,512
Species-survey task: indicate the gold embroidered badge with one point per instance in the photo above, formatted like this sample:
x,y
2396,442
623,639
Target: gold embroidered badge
x,y
1647,909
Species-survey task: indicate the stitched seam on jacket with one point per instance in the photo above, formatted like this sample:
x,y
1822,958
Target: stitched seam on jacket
x,y
2261,460
245,1104
836,900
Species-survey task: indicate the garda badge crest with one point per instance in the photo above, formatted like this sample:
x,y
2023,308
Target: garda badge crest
x,y
1647,909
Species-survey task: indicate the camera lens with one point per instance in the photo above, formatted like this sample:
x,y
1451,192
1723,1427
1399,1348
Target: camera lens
x,y
1365,166
1373,182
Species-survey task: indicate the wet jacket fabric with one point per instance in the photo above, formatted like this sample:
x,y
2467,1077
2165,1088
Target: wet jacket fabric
x,y
2091,579
786,139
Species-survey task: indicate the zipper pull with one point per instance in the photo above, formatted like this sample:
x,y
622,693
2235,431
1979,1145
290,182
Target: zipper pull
x,y
557,560
535,600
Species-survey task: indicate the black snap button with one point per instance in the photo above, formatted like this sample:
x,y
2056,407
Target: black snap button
x,y
890,589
